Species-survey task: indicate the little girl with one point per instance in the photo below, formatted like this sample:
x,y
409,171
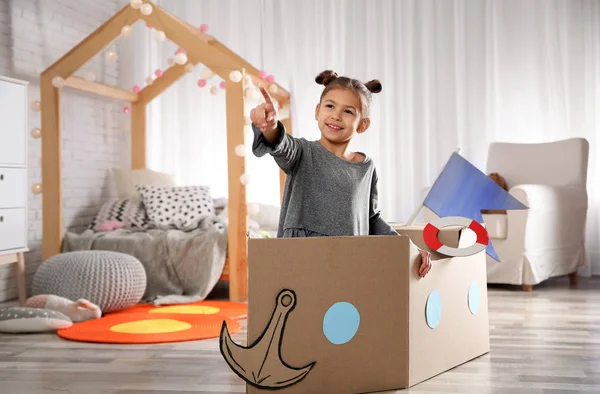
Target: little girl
x,y
329,190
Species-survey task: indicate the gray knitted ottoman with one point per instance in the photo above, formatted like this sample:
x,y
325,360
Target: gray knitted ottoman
x,y
111,280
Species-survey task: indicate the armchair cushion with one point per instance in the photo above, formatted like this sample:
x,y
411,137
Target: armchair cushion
x,y
555,218
551,198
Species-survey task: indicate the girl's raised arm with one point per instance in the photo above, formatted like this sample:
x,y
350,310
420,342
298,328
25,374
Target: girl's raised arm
x,y
270,136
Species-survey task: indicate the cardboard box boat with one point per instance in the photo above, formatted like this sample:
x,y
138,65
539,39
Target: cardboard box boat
x,y
361,313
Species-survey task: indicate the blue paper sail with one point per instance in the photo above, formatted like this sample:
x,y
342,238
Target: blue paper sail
x,y
463,190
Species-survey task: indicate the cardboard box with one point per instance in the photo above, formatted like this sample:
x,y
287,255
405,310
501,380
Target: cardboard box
x,y
360,313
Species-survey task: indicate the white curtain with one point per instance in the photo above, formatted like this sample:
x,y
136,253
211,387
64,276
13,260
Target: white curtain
x,y
459,73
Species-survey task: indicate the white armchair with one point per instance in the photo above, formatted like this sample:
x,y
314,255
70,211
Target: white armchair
x,y
548,239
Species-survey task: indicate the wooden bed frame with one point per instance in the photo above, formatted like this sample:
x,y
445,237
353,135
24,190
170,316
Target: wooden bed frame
x,y
200,48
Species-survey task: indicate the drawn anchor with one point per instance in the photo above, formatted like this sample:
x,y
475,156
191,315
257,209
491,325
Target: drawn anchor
x,y
260,364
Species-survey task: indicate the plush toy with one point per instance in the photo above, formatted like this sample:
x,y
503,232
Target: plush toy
x,y
17,320
78,311
500,181
109,226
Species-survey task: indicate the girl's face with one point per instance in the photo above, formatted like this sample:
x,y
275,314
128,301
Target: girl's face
x,y
339,115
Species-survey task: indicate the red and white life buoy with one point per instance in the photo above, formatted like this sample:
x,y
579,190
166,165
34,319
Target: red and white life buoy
x,y
430,236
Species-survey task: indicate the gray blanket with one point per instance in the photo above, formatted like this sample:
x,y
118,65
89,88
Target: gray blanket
x,y
181,267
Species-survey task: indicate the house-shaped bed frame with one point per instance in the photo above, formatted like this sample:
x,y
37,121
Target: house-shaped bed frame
x,y
200,48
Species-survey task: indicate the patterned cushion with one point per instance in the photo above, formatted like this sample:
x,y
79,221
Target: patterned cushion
x,y
130,212
177,207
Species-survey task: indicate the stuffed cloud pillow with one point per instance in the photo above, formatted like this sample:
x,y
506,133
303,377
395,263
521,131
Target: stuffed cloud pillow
x,y
32,320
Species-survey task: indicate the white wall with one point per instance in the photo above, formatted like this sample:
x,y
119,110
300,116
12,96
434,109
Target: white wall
x,y
33,35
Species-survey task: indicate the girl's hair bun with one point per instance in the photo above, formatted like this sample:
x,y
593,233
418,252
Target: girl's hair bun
x,y
374,86
326,77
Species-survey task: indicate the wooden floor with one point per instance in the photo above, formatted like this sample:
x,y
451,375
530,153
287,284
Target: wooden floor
x,y
547,341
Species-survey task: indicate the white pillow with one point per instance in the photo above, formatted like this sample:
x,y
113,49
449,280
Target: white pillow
x,y
177,207
127,180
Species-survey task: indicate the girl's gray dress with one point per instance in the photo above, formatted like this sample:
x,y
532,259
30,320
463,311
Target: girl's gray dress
x,y
324,195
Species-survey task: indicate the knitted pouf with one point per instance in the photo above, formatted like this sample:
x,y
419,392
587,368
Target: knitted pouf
x,y
111,280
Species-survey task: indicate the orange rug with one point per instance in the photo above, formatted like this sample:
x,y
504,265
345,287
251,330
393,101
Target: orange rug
x,y
230,310
142,328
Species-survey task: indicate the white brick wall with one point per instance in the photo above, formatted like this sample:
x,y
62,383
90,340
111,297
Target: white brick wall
x,y
33,35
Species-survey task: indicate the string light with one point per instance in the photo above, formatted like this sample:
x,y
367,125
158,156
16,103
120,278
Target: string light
x,y
252,94
36,106
126,31
235,76
207,73
146,9
36,133
159,35
36,189
240,150
111,56
58,82
136,4
181,58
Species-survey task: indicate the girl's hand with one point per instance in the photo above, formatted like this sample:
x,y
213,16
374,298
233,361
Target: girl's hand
x,y
264,116
425,263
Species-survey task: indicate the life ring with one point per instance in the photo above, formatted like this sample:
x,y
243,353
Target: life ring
x,y
430,236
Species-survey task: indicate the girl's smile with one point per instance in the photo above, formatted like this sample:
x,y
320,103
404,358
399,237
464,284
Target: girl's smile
x,y
333,127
